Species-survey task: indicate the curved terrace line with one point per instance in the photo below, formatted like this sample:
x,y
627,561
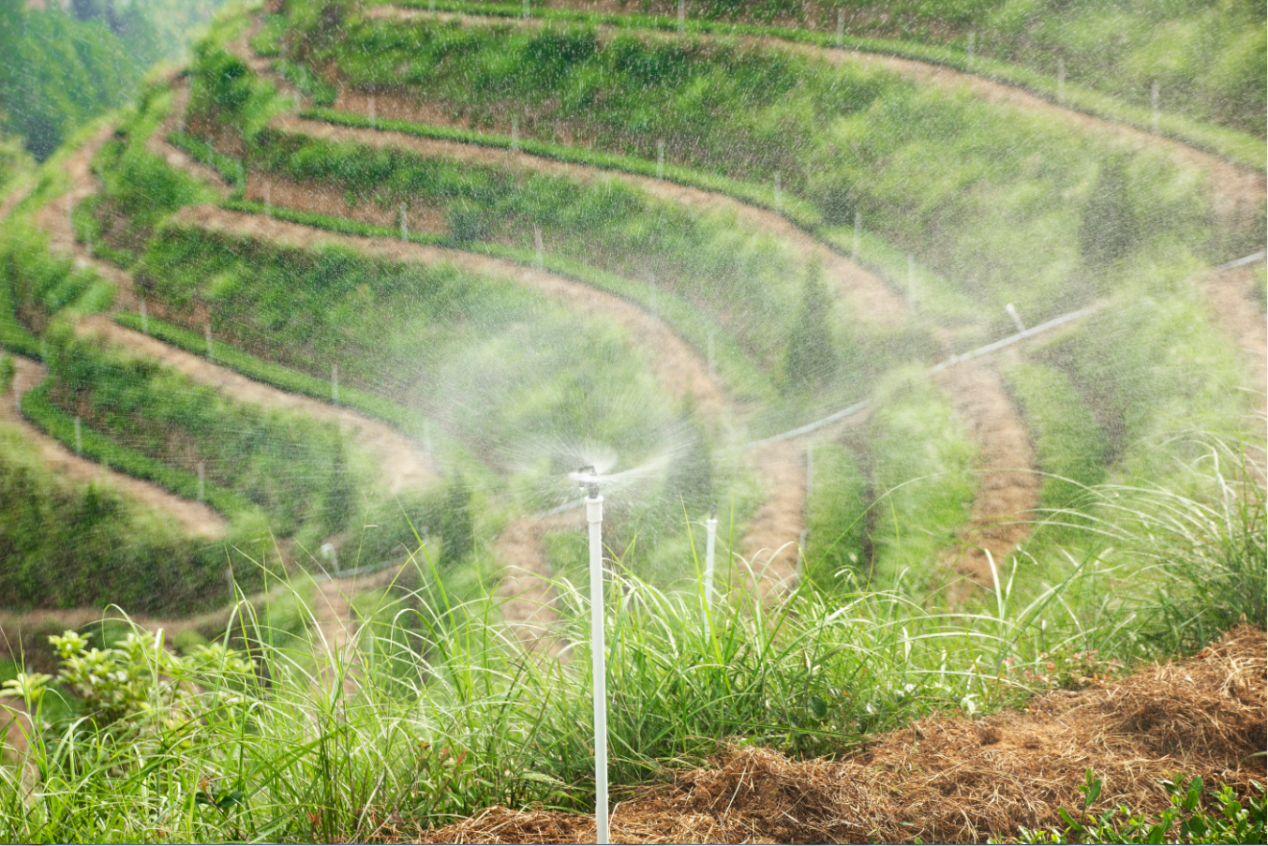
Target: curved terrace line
x,y
1233,183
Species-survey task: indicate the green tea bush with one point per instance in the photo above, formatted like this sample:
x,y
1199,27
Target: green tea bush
x,y
1203,55
837,519
922,473
607,223
1070,446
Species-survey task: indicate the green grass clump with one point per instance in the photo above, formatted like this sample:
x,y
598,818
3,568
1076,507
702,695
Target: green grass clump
x,y
444,714
922,467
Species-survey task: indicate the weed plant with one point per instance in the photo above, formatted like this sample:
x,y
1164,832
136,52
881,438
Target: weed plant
x,y
478,721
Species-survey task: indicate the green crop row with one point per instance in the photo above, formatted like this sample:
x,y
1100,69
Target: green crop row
x,y
1071,448
433,337
301,472
387,527
1202,81
1007,213
36,405
711,260
734,368
837,517
139,189
922,471
229,168
72,545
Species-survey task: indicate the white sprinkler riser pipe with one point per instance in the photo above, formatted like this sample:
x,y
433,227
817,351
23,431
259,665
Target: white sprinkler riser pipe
x,y
598,668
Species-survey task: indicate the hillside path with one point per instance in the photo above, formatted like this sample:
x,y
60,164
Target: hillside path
x,y
1009,484
194,517
869,298
1231,296
525,595
770,546
677,366
1236,192
403,465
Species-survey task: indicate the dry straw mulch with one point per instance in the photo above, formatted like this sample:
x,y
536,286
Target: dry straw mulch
x,y
953,780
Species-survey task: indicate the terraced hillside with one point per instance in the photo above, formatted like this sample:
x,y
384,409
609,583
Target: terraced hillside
x,y
485,246
342,304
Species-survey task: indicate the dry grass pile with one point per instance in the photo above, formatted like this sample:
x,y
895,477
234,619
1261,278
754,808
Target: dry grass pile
x,y
955,780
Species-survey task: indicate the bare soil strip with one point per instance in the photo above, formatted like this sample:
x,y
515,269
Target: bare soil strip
x,y
949,779
677,366
1237,193
193,517
1009,484
770,547
869,298
1230,294
525,594
403,465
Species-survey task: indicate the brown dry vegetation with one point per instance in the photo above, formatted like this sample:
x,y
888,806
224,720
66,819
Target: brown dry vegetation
x,y
951,780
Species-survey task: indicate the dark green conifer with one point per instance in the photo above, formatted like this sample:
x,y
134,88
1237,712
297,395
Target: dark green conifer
x,y
811,359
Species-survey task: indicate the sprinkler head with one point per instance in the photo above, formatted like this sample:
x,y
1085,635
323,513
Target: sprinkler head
x,y
588,479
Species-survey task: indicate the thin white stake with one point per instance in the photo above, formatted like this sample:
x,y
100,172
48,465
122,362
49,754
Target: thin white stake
x,y
79,437
1061,81
660,158
207,334
710,354
598,664
268,200
858,222
145,320
202,481
537,243
334,383
1012,312
779,195
515,132
1153,102
404,226
840,28
682,15
972,44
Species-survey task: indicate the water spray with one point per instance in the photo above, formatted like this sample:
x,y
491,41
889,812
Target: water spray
x,y
589,481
